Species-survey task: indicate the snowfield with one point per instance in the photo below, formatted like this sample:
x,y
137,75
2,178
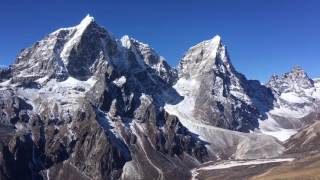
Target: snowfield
x,y
281,134
249,145
65,94
292,98
272,128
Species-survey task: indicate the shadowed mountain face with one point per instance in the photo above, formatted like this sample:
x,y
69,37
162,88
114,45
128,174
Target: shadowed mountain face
x,y
81,104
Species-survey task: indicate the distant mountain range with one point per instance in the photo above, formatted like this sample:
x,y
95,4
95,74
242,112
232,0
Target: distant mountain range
x,y
81,104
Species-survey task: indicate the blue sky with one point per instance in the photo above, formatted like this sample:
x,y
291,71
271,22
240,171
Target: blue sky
x,y
264,37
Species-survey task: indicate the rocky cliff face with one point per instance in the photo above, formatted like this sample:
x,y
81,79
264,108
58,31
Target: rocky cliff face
x,y
77,52
81,104
81,101
151,59
305,141
223,97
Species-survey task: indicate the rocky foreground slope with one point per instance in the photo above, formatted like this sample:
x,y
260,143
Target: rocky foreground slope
x,y
300,161
81,104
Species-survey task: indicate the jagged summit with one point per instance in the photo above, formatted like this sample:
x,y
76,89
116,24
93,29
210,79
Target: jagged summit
x,y
150,57
126,41
208,80
214,42
66,52
296,72
217,38
205,57
296,97
77,33
82,51
82,103
85,22
296,80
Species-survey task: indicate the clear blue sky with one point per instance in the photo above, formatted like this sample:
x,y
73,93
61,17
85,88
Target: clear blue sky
x,y
263,36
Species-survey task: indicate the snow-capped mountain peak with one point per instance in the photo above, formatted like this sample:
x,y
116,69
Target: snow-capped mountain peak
x,y
214,42
125,41
76,36
207,56
84,104
216,85
148,56
296,80
73,51
296,97
86,20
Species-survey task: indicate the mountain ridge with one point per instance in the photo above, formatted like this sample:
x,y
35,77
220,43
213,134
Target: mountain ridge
x,y
83,101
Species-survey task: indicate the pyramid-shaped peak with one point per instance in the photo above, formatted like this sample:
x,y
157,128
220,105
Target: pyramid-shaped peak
x,y
204,57
297,69
297,72
125,41
216,39
295,80
86,21
209,45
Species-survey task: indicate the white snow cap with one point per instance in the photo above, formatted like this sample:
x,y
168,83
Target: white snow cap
x,y
125,41
216,39
87,20
79,30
